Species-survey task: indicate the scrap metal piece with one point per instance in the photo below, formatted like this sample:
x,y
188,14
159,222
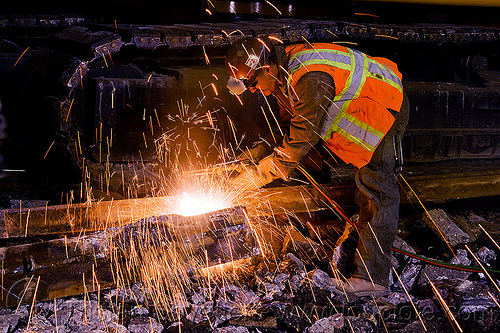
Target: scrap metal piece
x,y
72,265
213,238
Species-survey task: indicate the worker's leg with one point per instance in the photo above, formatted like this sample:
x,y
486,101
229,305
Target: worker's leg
x,y
379,207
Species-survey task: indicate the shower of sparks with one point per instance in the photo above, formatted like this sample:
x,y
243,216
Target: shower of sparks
x,y
166,271
162,256
196,204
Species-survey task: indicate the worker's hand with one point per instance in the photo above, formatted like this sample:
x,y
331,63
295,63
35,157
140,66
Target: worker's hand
x,y
253,155
254,177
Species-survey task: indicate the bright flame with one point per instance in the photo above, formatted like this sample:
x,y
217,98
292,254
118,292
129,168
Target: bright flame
x,y
192,204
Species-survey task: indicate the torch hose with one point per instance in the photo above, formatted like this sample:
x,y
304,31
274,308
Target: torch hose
x,y
338,210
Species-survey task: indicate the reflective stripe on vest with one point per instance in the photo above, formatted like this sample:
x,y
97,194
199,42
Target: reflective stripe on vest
x,y
360,68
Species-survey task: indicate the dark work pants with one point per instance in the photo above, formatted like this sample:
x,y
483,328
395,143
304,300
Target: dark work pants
x,y
378,198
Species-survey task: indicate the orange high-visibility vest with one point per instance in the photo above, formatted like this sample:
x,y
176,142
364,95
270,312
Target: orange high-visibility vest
x,y
365,87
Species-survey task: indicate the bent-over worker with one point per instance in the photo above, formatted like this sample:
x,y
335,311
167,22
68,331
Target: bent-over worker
x,y
355,104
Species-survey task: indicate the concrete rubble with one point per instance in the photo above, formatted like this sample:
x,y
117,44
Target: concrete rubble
x,y
292,295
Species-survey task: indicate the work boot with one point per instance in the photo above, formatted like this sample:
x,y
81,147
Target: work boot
x,y
360,287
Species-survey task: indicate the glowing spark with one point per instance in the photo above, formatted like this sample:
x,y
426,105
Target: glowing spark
x,y
380,313
255,233
332,33
489,236
238,98
110,58
113,96
408,295
215,89
365,14
387,36
268,124
105,61
207,61
33,303
275,39
281,153
345,42
443,303
149,77
46,153
210,120
264,44
69,109
312,47
269,106
484,269
157,118
376,238
208,11
366,268
215,76
21,55
273,7
493,298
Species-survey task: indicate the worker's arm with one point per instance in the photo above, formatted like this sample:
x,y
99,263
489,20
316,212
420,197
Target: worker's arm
x,y
314,93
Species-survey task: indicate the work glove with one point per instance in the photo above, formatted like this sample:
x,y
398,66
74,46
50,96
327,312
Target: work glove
x,y
253,155
254,177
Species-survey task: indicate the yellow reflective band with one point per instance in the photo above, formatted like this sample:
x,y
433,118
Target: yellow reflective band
x,y
363,76
348,82
383,78
354,139
363,125
335,128
318,51
319,62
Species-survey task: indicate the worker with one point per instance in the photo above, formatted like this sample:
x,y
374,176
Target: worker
x,y
355,105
